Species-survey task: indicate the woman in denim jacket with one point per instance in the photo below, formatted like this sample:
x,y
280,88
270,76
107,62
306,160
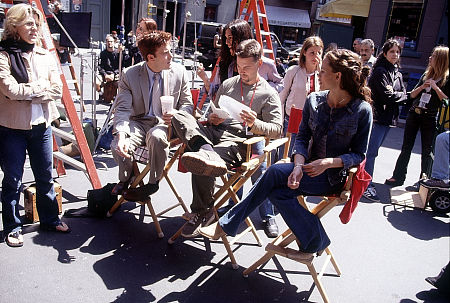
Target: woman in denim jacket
x,y
337,123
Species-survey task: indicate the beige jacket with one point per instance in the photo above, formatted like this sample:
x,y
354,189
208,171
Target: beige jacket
x,y
296,88
15,111
133,97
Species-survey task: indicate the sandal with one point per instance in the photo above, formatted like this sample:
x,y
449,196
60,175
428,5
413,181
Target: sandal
x,y
14,239
61,227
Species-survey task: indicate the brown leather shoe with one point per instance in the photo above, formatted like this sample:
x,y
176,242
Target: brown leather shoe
x,y
140,193
119,188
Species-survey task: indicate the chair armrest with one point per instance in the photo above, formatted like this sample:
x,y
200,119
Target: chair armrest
x,y
275,144
249,142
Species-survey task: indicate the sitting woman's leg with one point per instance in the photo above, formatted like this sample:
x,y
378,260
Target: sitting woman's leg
x,y
306,227
275,177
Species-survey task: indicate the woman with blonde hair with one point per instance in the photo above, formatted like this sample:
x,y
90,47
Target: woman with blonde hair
x,y
428,94
29,86
302,79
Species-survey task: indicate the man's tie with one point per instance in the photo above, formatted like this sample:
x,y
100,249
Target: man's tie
x,y
155,108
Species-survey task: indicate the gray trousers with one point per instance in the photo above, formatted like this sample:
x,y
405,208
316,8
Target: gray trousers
x,y
154,135
228,145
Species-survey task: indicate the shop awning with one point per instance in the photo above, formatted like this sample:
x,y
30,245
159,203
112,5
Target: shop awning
x,y
345,8
288,17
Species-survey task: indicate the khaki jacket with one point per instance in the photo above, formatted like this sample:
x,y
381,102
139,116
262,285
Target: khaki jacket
x,y
133,98
15,110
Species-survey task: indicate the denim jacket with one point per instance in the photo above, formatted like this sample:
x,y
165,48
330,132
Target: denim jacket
x,y
347,130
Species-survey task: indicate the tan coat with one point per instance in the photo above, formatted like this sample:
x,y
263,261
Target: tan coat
x,y
133,97
15,111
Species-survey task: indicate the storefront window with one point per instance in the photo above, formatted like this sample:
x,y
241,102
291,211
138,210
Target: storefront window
x,y
405,20
210,13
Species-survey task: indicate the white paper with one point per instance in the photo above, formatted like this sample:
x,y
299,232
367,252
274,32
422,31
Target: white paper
x,y
233,107
222,114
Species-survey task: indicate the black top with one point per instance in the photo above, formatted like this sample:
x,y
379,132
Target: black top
x,y
386,84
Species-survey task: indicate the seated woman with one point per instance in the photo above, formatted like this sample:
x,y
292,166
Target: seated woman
x,y
338,123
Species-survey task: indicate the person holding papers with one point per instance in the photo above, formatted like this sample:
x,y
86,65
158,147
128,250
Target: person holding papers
x,y
218,144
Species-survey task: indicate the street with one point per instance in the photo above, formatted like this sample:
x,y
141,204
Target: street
x,y
385,252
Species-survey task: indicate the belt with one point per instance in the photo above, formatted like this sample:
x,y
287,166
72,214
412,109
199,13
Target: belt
x,y
420,110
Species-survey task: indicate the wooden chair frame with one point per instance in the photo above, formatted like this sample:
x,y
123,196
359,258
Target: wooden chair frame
x,y
232,182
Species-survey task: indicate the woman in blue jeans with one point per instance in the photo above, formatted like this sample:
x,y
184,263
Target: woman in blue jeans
x,y
388,90
29,84
337,122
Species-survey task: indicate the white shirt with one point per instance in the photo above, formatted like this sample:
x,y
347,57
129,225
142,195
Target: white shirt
x,y
37,114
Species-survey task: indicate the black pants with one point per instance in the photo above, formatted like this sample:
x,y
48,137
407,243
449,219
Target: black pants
x,y
427,125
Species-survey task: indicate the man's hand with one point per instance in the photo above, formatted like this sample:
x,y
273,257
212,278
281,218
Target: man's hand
x,y
317,167
123,144
167,117
248,117
295,177
214,119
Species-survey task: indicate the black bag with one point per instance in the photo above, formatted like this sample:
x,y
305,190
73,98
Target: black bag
x,y
100,202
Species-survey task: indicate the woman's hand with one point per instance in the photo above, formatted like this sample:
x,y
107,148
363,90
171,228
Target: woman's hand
x,y
317,167
201,72
248,117
214,119
295,177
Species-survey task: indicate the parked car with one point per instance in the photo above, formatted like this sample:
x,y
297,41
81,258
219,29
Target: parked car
x,y
205,41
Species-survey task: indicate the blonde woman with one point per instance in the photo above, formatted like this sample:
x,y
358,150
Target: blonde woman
x,y
29,84
302,79
427,95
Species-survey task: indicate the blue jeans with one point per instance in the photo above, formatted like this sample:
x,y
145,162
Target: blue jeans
x,y
273,184
266,210
377,136
441,169
13,147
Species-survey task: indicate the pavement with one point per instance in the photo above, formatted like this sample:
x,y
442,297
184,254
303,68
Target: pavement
x,y
384,252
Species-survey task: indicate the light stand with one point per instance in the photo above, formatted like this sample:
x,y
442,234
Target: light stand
x,y
186,17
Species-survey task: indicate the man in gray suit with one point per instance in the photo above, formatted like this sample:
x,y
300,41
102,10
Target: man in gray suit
x,y
138,114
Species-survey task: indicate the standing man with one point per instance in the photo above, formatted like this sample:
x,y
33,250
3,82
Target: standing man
x,y
219,144
366,52
357,45
138,118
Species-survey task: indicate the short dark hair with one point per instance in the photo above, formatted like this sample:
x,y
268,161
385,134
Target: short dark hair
x,y
152,41
249,48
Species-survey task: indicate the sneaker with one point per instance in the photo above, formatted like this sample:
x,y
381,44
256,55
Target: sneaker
x,y
271,228
371,194
204,163
435,183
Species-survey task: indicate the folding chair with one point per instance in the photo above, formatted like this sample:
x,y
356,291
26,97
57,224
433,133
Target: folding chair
x,y
279,246
233,180
141,156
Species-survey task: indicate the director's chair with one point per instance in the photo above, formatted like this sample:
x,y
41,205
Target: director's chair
x,y
233,180
141,156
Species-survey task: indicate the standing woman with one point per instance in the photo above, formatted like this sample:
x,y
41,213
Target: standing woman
x,y
29,85
428,95
386,84
302,79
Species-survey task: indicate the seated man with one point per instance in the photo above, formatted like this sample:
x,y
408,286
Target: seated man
x,y
138,117
219,144
332,137
440,172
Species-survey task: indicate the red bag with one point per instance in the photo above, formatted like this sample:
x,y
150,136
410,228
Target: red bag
x,y
361,179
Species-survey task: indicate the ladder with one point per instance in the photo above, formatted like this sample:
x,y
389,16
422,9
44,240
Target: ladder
x,y
246,9
78,136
